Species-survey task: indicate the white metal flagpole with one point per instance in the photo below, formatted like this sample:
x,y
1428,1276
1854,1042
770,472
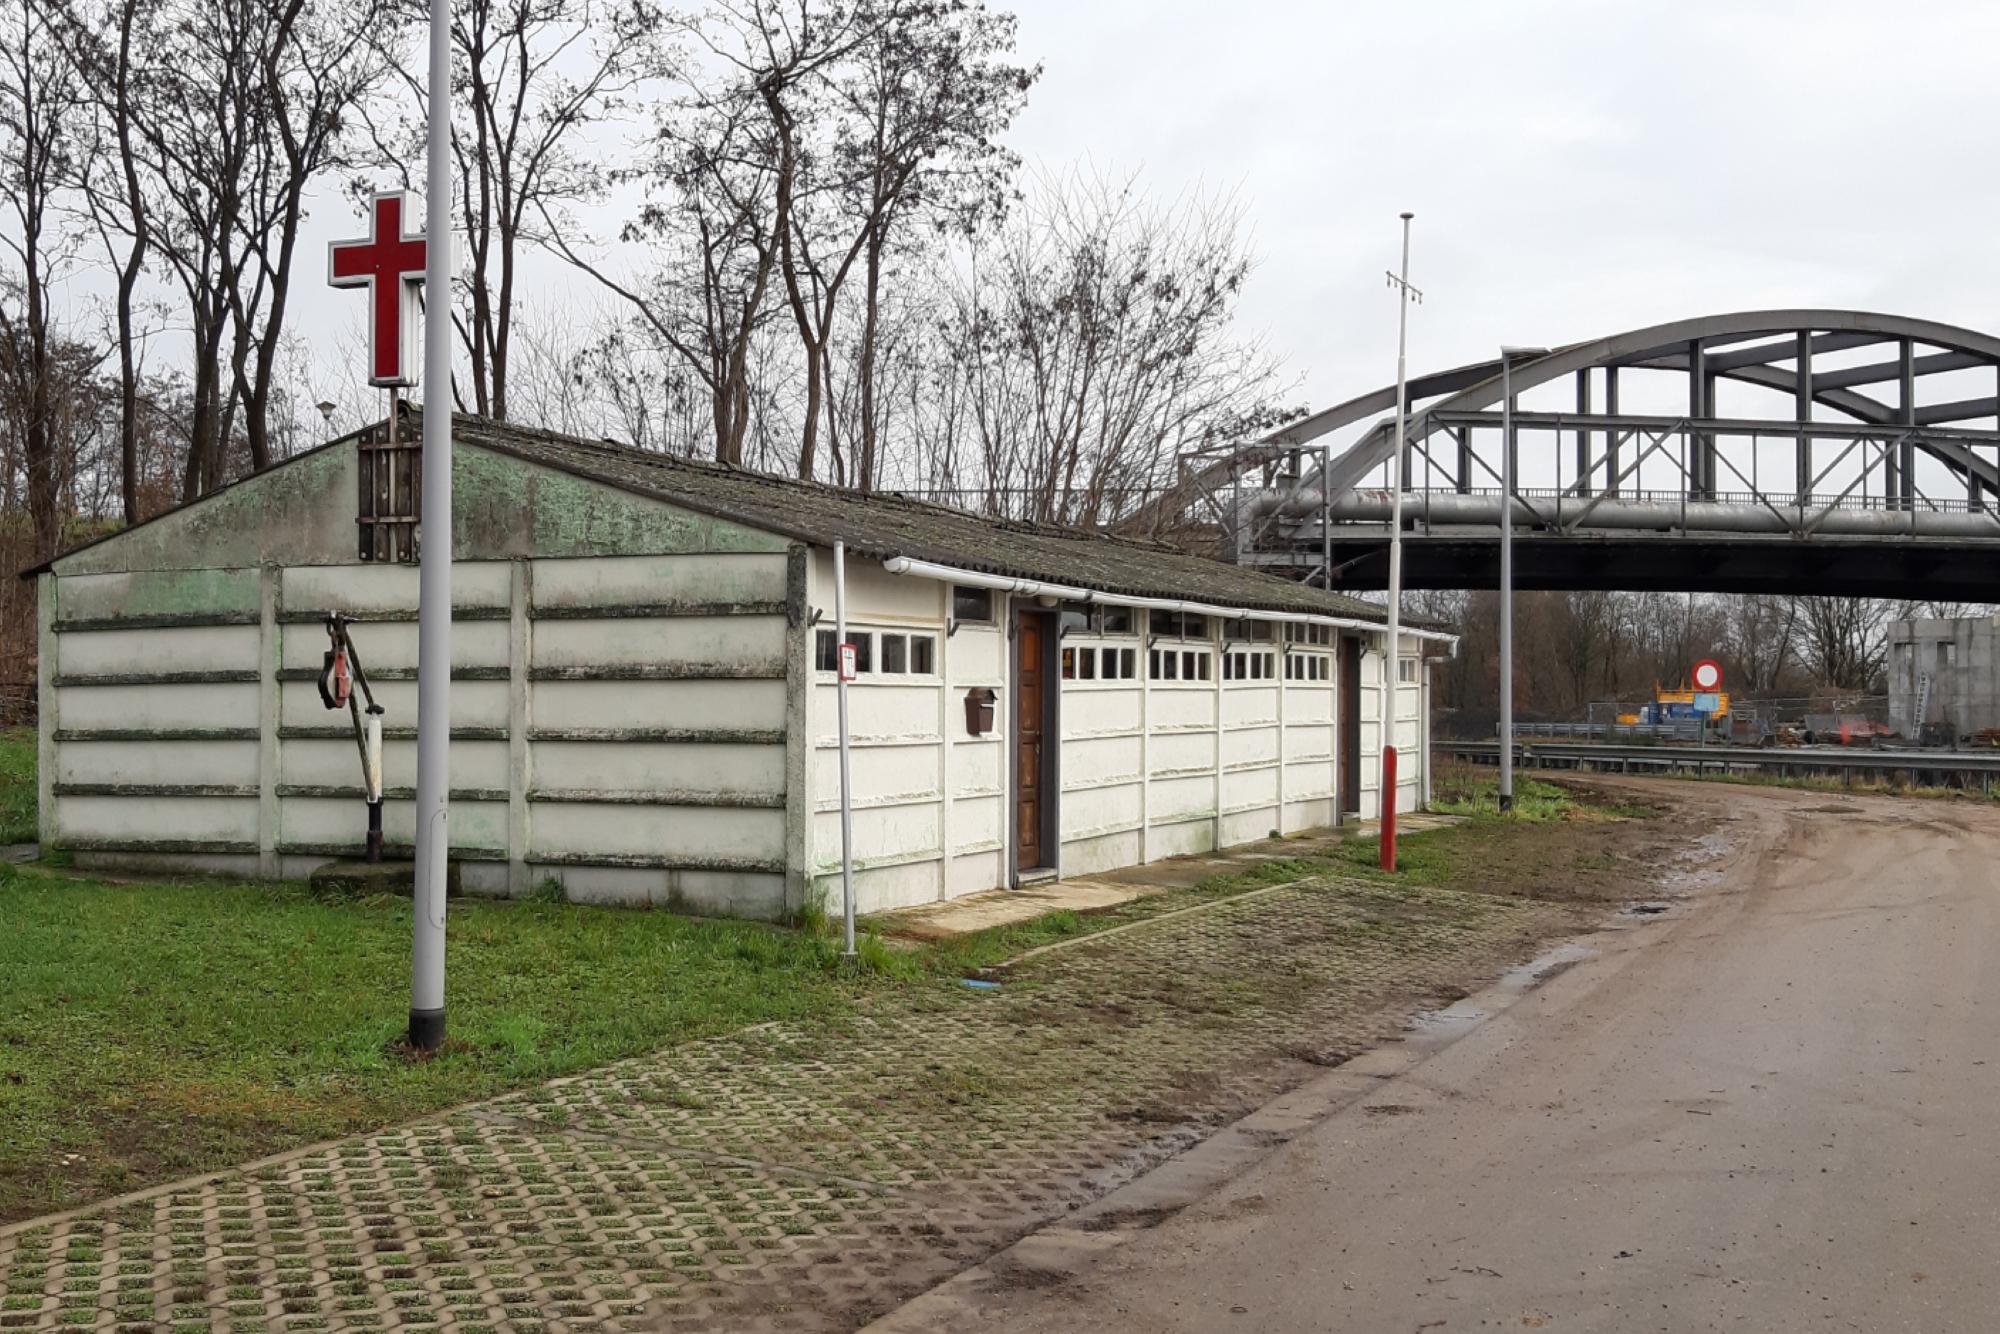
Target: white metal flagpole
x,y
844,671
434,574
1393,663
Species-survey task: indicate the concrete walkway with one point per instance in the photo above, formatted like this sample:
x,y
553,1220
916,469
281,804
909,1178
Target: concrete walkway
x,y
783,1178
1110,889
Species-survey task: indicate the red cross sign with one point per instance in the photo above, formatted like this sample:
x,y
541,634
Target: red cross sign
x,y
389,262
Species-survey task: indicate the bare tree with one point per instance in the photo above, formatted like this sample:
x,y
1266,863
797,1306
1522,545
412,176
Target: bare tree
x,y
317,59
1095,338
709,225
924,105
530,81
113,200
41,98
1841,639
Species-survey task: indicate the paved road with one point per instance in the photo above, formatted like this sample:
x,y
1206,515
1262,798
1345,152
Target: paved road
x,y
1776,1110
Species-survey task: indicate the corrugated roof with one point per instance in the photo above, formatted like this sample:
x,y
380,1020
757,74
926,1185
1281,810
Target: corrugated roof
x,y
883,526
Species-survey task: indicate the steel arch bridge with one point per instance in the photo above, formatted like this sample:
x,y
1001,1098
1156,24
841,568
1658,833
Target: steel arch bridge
x,y
1859,456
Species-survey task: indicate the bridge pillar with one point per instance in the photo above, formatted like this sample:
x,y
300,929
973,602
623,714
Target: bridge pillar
x,y
1583,437
1611,465
1700,479
1802,409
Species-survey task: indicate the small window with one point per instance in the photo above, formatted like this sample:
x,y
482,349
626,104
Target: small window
x,y
826,654
1406,669
1069,664
1076,616
923,655
1188,668
1086,664
1115,620
895,654
971,604
1261,631
864,652
1179,625
1171,662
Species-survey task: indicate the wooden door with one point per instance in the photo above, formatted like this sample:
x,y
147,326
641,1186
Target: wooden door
x,y
1349,668
1030,742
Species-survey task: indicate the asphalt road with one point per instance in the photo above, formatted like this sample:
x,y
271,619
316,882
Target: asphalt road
x,y
1777,1109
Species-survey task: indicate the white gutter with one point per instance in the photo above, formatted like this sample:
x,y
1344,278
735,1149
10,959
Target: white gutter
x,y
924,569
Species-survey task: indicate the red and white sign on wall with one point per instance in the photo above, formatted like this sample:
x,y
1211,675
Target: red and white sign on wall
x,y
849,661
389,262
1708,675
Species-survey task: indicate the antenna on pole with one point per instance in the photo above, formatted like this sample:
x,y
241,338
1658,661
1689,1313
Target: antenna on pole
x,y
1392,665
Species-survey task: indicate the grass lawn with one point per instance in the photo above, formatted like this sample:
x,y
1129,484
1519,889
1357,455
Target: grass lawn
x,y
17,784
157,1030
149,1031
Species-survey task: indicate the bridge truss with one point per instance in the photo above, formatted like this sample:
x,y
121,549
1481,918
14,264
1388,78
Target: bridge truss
x,y
1818,451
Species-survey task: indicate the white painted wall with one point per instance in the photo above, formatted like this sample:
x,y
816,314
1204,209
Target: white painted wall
x,y
1145,770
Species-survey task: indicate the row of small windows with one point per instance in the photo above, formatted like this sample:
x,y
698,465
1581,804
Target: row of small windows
x,y
1091,663
975,605
899,654
1179,665
1262,665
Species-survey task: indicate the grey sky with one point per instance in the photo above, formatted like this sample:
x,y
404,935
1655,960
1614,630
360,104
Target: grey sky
x,y
1576,168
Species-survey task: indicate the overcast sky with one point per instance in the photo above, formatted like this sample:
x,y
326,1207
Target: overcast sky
x,y
1576,168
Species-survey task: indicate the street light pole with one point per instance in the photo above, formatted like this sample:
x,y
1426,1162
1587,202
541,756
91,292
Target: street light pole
x,y
433,850
1393,663
1506,580
1507,355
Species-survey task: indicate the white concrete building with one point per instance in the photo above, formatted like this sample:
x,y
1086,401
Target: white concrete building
x,y
644,700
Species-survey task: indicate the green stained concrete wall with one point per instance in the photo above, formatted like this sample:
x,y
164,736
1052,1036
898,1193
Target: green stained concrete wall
x,y
302,513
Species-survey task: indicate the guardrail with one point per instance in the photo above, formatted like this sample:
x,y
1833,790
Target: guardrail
x,y
1687,729
1949,768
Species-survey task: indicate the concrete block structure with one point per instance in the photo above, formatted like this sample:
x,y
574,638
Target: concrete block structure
x,y
643,699
1960,659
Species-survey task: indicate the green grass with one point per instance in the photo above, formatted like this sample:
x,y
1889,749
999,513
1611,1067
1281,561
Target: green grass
x,y
17,784
153,1030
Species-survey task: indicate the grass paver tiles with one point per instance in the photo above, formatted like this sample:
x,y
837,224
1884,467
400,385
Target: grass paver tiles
x,y
803,1173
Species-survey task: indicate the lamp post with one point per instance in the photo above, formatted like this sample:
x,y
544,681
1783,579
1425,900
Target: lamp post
x,y
1507,356
1392,671
433,850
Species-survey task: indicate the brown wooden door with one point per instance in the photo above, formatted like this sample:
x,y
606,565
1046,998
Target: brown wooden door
x,y
1349,668
1030,720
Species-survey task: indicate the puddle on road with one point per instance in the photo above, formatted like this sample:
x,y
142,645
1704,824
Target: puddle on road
x,y
1436,1028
